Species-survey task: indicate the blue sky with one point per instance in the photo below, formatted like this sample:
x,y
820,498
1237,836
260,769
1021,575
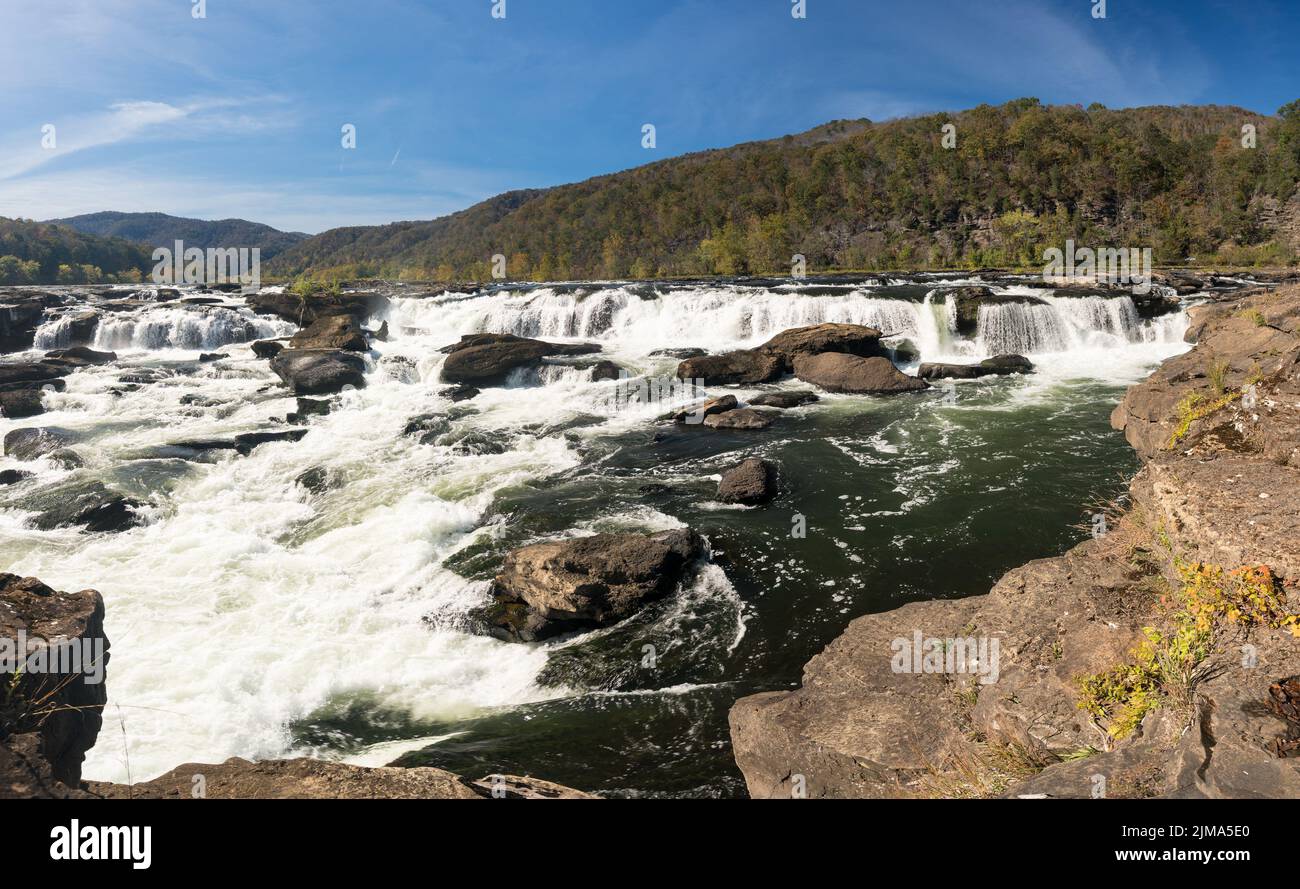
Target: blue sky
x,y
240,113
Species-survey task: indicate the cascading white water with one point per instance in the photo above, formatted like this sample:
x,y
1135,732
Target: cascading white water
x,y
718,319
1060,324
153,329
209,328
246,603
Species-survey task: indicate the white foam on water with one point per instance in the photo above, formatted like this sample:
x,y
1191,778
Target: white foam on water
x,y
246,604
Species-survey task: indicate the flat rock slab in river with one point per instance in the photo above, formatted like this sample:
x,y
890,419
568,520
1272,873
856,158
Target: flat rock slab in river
x,y
839,372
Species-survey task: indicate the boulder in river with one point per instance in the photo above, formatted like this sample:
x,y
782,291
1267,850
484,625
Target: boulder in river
x,y
743,367
268,348
59,704
851,339
304,310
31,373
752,482
32,443
998,365
784,399
605,370
583,583
246,442
319,372
840,372
21,312
695,415
487,358
13,476
331,332
740,418
87,504
19,403
79,356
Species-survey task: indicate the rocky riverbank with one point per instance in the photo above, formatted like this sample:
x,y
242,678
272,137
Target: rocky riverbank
x,y
1156,659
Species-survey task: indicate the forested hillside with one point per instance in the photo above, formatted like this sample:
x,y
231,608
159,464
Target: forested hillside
x,y
856,195
40,253
161,230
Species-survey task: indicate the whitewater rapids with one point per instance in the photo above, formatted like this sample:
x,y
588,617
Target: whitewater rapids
x,y
245,604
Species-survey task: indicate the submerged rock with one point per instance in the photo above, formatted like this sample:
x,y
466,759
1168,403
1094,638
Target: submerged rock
x,y
750,483
246,442
564,586
839,372
79,356
426,428
459,393
13,476
605,370
31,443
312,372
487,358
999,365
786,399
318,479
309,407
86,504
696,415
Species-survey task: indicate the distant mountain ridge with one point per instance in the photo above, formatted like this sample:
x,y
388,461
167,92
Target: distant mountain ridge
x,y
162,230
1012,180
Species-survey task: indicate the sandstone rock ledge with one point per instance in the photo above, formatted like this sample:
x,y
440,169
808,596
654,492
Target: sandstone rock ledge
x,y
320,779
1219,429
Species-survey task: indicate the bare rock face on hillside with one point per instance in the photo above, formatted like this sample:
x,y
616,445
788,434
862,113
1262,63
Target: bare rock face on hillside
x,y
1215,504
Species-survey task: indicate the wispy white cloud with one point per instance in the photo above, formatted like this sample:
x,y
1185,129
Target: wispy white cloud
x,y
124,122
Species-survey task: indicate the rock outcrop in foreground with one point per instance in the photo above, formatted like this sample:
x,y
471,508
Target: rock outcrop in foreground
x,y
1158,659
53,663
319,779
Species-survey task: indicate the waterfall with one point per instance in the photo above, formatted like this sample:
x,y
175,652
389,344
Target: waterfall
x,y
176,328
1061,323
717,318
